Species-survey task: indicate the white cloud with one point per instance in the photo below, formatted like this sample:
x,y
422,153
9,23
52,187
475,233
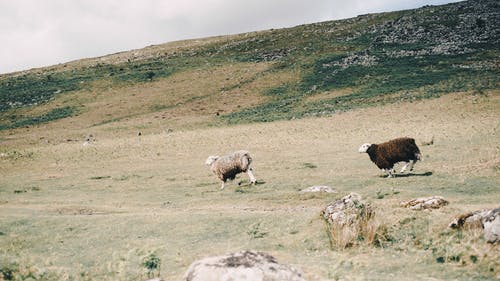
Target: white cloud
x,y
37,33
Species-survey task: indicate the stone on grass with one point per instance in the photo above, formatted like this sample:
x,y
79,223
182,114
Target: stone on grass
x,y
422,203
347,211
347,220
240,266
319,188
491,224
487,219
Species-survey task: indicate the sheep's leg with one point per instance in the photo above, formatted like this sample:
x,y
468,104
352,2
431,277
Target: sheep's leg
x,y
389,172
386,172
251,176
223,185
412,162
405,166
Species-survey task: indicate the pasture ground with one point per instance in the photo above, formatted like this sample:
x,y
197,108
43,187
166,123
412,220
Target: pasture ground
x,y
98,211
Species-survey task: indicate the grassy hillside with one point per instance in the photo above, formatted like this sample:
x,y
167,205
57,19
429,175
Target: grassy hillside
x,y
129,205
315,69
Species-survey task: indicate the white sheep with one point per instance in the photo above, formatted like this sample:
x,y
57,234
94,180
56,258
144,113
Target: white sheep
x,y
228,166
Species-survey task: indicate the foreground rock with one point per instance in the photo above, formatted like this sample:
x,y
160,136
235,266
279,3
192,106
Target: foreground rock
x,y
423,203
488,219
245,265
491,224
348,219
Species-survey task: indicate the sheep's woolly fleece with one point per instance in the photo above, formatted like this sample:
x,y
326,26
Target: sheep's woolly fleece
x,y
228,166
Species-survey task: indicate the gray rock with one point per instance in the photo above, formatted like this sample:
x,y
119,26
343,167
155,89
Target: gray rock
x,y
319,188
488,219
240,266
422,203
347,210
348,219
470,220
491,224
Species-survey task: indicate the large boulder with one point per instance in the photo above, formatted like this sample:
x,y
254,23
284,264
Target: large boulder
x,y
348,219
423,203
241,266
488,219
491,224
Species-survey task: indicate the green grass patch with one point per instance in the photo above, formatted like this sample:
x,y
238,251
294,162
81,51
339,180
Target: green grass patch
x,y
54,114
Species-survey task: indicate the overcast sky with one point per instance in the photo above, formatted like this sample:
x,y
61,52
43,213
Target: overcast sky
x,y
36,33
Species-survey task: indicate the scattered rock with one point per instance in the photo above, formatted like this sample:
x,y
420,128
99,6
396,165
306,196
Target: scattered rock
x,y
245,265
348,219
319,188
89,139
347,210
488,219
491,224
433,202
471,219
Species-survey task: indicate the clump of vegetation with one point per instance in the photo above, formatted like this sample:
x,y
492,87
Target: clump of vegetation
x,y
256,232
15,272
152,264
368,231
309,165
465,248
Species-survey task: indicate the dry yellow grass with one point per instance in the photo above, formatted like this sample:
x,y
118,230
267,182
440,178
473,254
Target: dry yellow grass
x,y
97,211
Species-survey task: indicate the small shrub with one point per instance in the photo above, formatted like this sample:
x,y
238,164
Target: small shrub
x,y
7,273
150,75
152,264
255,232
309,165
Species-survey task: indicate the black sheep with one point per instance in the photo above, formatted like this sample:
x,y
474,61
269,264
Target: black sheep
x,y
386,154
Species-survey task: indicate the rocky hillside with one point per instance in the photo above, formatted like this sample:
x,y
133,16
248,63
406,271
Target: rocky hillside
x,y
336,66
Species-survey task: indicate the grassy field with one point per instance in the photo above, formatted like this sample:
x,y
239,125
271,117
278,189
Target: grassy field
x,y
100,212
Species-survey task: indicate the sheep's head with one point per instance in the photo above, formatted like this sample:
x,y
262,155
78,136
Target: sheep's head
x,y
364,147
211,159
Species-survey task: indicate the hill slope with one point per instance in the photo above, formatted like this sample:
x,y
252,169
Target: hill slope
x,y
288,73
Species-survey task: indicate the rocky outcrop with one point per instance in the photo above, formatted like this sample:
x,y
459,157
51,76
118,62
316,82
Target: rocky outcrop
x,y
245,265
